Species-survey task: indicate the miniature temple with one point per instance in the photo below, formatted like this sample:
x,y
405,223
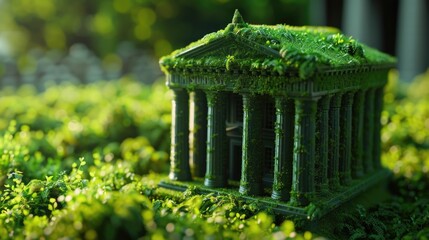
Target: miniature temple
x,y
292,113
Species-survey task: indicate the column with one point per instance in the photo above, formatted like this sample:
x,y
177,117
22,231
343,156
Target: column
x,y
334,140
368,135
411,47
179,157
358,15
283,152
198,127
304,149
378,107
357,134
317,12
346,138
216,175
322,146
251,167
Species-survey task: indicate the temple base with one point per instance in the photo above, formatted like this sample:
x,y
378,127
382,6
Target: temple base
x,y
315,210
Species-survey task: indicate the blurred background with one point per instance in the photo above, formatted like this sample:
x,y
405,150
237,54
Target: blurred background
x,y
46,41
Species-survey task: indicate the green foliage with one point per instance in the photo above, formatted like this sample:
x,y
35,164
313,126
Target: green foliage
x,y
117,120
94,214
406,141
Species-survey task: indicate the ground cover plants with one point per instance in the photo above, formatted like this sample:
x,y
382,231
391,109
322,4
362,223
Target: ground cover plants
x,y
83,162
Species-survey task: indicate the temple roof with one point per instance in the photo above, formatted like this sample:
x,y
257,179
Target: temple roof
x,y
275,48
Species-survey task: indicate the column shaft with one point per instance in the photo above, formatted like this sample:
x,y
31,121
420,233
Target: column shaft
x,y
322,146
378,107
357,134
304,149
346,138
216,175
198,128
179,167
252,147
368,136
334,142
283,153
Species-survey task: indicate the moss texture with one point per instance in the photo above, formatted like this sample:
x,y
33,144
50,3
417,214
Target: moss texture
x,y
277,48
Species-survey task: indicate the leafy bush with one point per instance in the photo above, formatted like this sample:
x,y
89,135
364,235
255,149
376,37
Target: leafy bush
x,y
67,121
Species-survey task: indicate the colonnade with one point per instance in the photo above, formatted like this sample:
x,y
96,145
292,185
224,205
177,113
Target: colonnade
x,y
321,143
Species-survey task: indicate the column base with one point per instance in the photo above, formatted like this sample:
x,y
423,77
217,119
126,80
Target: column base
x,y
334,184
180,176
254,190
324,189
300,199
346,179
369,170
214,183
358,173
280,195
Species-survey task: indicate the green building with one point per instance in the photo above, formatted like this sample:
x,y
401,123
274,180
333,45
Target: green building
x,y
288,113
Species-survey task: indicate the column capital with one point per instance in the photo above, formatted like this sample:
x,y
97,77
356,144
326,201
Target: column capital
x,y
178,90
336,100
306,98
371,89
284,103
213,96
347,99
325,102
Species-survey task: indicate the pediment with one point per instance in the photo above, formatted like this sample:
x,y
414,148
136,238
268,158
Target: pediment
x,y
229,45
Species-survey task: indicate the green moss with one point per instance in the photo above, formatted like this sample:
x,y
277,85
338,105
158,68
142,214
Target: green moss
x,y
275,49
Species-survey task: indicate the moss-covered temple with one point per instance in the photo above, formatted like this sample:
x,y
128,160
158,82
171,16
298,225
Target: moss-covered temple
x,y
292,109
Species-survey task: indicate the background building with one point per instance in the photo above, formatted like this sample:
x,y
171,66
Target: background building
x,y
398,27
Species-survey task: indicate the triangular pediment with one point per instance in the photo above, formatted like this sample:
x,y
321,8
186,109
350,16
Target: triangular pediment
x,y
277,49
229,45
